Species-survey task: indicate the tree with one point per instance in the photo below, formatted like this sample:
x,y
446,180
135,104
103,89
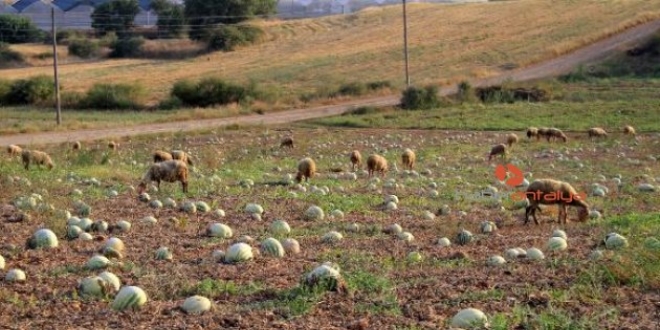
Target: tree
x,y
204,15
115,16
16,29
171,18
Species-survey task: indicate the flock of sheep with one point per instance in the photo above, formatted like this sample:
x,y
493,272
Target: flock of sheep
x,y
173,167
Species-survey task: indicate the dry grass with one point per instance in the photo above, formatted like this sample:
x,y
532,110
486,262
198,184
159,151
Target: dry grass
x,y
447,43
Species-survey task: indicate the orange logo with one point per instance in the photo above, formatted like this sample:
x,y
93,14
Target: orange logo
x,y
516,178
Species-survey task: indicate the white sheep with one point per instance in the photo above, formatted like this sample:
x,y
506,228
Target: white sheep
x,y
550,191
36,157
168,171
306,169
376,163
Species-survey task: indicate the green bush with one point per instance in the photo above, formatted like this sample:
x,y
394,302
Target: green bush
x,y
376,85
465,92
15,29
83,48
170,103
126,47
113,97
33,90
210,91
352,89
228,37
5,87
420,98
71,99
8,55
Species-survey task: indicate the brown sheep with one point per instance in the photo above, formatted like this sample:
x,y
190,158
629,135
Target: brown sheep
x,y
549,191
161,156
629,130
555,133
533,132
596,132
182,156
356,159
542,132
14,150
511,139
408,159
499,149
76,145
377,163
306,169
287,142
168,171
36,157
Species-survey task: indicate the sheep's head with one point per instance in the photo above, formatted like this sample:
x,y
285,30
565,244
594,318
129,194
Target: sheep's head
x,y
299,177
563,137
142,187
50,165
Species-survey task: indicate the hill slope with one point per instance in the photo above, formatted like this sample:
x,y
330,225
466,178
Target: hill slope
x,y
447,43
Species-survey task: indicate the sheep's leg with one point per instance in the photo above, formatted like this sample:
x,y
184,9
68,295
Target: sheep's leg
x,y
184,186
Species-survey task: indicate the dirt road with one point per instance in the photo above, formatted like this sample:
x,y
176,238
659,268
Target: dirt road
x,y
553,67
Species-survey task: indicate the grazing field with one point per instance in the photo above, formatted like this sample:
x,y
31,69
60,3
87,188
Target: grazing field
x,y
447,44
383,288
609,103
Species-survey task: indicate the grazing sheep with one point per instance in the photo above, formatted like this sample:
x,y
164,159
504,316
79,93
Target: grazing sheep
x,y
555,133
14,150
182,156
36,157
511,139
629,130
596,132
76,145
287,142
533,132
499,149
168,171
356,159
306,169
161,156
376,163
112,145
408,159
542,132
549,191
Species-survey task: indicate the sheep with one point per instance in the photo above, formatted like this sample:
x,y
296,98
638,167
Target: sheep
x,y
550,191
36,157
532,132
182,156
555,133
596,132
161,156
356,159
511,139
629,130
14,150
76,145
287,142
408,159
112,145
499,149
376,163
168,171
306,169
542,132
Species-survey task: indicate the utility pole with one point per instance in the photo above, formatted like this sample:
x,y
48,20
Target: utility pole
x,y
57,82
405,42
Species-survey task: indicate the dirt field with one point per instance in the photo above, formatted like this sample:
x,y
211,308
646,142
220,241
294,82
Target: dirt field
x,y
385,290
